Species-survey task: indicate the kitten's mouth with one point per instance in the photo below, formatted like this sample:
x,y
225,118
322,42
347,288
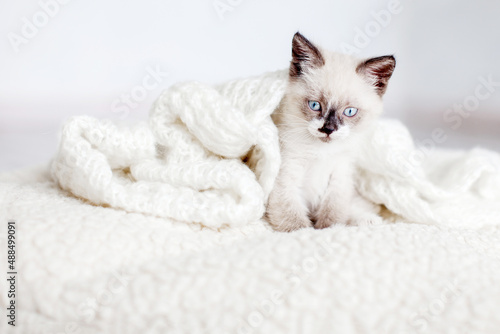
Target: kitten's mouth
x,y
326,139
321,135
324,133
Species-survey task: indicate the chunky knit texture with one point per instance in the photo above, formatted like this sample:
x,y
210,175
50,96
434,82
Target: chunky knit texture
x,y
187,164
210,155
430,186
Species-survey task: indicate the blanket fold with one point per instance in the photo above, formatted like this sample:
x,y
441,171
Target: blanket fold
x,y
210,155
187,163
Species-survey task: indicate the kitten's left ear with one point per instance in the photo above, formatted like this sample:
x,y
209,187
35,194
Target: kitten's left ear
x,y
378,71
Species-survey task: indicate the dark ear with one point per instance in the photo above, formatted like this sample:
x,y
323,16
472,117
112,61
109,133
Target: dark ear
x,y
378,71
304,54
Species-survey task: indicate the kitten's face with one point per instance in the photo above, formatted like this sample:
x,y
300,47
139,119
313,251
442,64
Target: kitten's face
x,y
334,95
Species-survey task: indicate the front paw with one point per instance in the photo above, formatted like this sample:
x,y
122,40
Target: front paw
x,y
328,217
323,223
287,223
366,220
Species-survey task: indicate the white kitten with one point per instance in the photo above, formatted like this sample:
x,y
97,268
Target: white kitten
x,y
329,108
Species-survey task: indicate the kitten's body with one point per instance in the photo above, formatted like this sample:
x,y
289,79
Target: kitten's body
x,y
318,147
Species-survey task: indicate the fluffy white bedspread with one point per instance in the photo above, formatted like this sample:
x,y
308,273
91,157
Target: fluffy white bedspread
x,y
92,269
140,241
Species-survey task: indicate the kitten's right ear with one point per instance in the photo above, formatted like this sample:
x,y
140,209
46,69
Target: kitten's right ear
x,y
377,72
304,54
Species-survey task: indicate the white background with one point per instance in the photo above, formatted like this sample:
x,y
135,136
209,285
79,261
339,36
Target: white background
x,y
88,54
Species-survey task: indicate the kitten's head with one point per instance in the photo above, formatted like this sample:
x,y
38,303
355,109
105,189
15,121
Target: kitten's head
x,y
334,95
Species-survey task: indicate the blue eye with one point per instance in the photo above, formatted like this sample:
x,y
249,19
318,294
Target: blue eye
x,y
314,105
349,112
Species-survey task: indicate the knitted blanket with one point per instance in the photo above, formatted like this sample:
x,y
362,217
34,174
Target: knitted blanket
x,y
210,155
187,164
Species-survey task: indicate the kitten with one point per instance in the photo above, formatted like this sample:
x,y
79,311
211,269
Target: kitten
x,y
330,106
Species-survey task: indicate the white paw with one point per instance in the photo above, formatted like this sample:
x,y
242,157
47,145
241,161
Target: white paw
x,y
366,220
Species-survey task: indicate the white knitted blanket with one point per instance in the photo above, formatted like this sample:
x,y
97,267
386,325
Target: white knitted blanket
x,y
187,164
210,155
